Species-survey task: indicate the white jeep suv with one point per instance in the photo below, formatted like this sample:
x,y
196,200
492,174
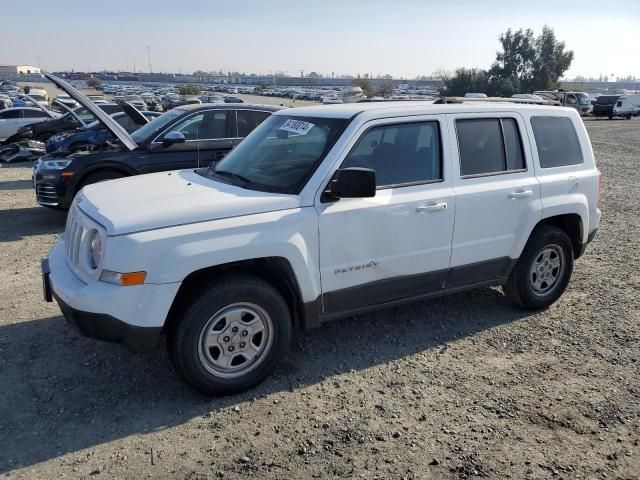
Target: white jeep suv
x,y
320,213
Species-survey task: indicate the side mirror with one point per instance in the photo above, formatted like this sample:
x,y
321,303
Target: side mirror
x,y
172,138
353,182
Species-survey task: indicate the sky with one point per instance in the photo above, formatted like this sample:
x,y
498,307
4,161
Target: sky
x,y
404,38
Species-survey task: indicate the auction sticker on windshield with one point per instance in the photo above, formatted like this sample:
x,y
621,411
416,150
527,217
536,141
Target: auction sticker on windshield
x,y
296,126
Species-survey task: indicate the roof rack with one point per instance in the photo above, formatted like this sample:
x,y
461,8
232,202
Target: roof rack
x,y
528,101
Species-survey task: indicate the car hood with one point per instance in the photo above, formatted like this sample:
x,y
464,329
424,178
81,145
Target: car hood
x,y
169,199
134,114
117,129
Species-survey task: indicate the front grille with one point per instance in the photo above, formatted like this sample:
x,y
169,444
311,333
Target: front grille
x,y
46,193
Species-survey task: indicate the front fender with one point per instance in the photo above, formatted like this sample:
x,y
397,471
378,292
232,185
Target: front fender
x,y
169,255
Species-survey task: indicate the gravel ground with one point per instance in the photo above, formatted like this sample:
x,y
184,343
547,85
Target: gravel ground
x,y
459,387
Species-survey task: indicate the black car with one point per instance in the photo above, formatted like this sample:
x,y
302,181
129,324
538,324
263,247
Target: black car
x,y
185,137
604,105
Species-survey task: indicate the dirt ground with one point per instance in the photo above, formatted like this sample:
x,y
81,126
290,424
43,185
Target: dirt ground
x,y
460,387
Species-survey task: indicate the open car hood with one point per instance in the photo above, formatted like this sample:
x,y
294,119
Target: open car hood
x,y
134,114
115,128
70,112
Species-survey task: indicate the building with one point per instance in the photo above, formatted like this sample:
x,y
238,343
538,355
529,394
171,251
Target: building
x,y
11,71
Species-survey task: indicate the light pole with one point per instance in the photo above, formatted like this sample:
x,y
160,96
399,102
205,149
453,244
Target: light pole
x,y
149,58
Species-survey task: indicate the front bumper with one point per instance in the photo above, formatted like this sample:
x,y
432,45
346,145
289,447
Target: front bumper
x,y
132,316
51,189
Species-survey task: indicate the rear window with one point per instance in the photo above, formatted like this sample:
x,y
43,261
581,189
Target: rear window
x,y
489,146
557,142
606,100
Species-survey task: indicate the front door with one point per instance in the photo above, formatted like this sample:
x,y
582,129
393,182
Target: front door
x,y
206,135
497,195
398,243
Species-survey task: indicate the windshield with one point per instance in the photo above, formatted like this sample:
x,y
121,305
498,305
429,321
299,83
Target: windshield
x,y
39,98
155,126
85,115
281,154
583,99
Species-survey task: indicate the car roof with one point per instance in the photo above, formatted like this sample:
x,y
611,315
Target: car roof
x,y
421,107
231,106
22,108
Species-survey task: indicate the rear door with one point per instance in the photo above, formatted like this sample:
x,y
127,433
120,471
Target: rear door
x,y
497,195
9,122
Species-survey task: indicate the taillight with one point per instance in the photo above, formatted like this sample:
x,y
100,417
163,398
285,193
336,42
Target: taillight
x,y
599,188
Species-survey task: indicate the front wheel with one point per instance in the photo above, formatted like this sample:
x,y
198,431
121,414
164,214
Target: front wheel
x,y
231,337
543,271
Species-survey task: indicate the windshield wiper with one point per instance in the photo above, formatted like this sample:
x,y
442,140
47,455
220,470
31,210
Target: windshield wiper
x,y
225,173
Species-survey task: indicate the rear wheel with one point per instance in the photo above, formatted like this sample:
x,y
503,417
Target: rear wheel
x,y
231,336
544,269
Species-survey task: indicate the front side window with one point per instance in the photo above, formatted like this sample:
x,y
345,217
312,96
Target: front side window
x,y
154,127
214,125
400,154
208,125
489,146
280,155
189,127
557,141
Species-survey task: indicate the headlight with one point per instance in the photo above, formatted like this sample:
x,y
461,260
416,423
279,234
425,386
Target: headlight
x,y
95,249
56,164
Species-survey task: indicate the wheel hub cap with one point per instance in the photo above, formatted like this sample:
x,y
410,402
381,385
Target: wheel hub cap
x,y
547,268
235,340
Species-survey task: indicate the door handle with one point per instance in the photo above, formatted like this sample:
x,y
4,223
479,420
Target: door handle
x,y
431,207
219,156
520,194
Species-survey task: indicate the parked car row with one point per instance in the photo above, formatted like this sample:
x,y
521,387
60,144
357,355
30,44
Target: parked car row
x,y
188,136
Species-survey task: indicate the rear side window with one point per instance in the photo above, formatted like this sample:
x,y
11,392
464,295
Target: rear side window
x,y
10,114
248,120
557,141
489,146
400,154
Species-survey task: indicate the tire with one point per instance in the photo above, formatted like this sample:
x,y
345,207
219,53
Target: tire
x,y
99,176
244,302
535,283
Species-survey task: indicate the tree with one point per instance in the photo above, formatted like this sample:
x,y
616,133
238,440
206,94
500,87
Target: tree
x,y
385,89
551,61
524,64
466,80
93,82
189,90
365,84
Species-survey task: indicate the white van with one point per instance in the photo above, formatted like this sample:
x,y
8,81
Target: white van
x,y
627,106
